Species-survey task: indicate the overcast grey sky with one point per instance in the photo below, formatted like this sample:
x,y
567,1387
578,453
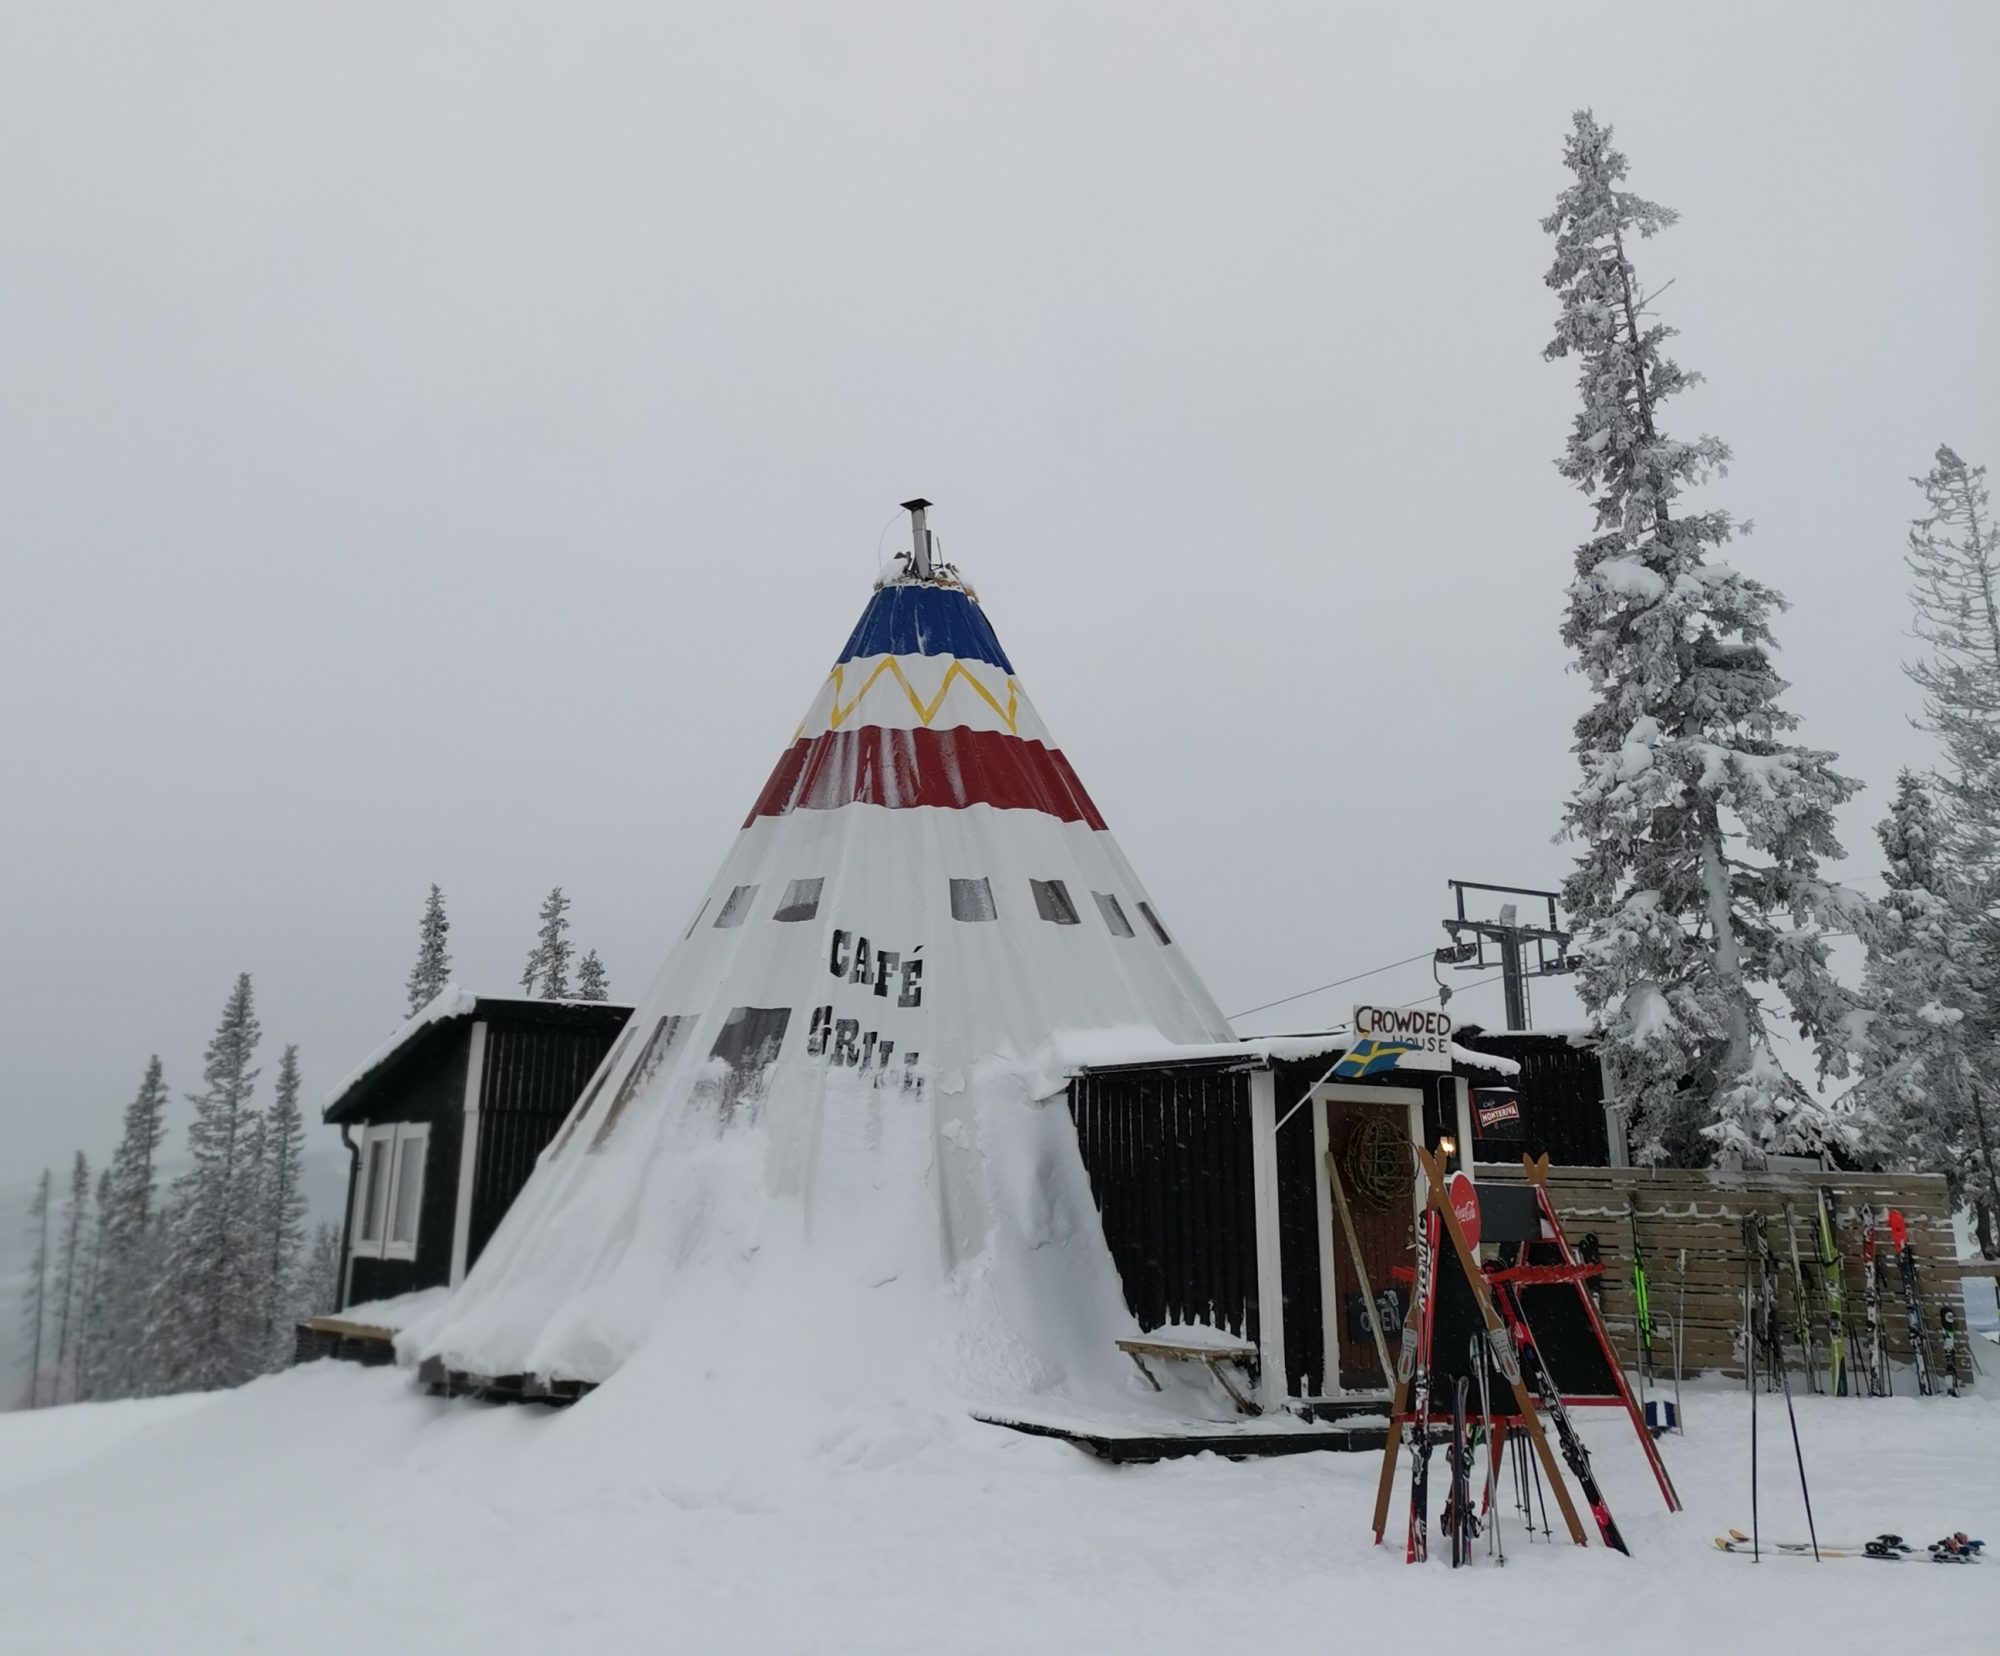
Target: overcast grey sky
x,y
451,443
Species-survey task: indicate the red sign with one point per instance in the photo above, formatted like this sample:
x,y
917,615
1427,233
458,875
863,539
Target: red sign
x,y
1464,1198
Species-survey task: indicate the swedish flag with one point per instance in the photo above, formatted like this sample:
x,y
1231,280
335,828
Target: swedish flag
x,y
1370,1057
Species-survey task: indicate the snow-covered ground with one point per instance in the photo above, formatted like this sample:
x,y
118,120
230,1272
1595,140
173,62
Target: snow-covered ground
x,y
333,1509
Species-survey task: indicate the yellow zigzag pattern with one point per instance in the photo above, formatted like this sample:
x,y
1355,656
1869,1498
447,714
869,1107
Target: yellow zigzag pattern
x,y
926,711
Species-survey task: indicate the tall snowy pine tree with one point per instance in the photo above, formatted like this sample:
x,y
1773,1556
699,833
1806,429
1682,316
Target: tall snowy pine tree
x,y
432,970
1702,829
35,1293
72,1273
320,1295
1920,1057
1954,559
132,1245
548,960
281,1214
91,1344
207,1318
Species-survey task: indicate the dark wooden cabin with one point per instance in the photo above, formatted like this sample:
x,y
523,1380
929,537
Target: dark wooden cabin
x,y
444,1125
1211,1181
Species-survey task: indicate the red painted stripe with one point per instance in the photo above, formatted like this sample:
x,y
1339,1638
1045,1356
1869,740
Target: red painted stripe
x,y
950,769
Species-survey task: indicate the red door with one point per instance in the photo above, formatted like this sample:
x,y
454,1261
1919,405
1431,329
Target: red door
x,y
1370,1148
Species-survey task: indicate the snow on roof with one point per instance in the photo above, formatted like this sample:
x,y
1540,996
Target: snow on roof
x,y
1491,1062
452,1001
1070,1051
1575,1034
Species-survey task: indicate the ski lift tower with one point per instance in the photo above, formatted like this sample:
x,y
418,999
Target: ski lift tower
x,y
1521,950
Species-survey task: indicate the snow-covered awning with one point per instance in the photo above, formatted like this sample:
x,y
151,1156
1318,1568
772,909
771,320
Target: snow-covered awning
x,y
1075,1052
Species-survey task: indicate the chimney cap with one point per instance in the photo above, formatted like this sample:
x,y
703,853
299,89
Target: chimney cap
x,y
915,505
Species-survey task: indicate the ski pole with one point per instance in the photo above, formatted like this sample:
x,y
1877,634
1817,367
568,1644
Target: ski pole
x,y
1750,1367
1680,1326
1494,1547
1798,1454
1749,1364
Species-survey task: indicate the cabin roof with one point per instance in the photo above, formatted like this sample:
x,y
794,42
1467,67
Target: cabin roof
x,y
1099,1052
436,1026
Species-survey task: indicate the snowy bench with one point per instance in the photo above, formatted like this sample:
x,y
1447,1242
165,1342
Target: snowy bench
x,y
1195,1345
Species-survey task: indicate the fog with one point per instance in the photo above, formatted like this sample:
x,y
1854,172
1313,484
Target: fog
x,y
452,442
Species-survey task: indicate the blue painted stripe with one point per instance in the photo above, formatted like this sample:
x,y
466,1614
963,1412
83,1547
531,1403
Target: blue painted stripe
x,y
925,620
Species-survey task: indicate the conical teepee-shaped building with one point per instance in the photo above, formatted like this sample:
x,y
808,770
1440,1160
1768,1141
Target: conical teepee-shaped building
x,y
837,1057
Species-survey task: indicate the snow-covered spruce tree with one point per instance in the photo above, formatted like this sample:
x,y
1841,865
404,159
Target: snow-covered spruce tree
x,y
132,1244
91,1343
206,1317
320,1296
1954,560
281,1214
1921,1055
256,1291
548,960
1702,828
432,970
35,1292
72,1270
592,982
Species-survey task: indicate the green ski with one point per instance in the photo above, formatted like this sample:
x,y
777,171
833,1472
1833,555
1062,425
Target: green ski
x,y
1830,1272
1642,1309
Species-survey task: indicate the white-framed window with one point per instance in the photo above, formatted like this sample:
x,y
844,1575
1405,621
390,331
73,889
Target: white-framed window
x,y
388,1199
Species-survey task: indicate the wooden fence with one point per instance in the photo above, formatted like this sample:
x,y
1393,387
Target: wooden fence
x,y
1701,1213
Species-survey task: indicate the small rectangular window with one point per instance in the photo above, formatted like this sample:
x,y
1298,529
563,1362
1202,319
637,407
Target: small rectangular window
x,y
973,900
737,909
801,900
1114,916
751,1038
1153,920
1052,902
375,1190
409,1192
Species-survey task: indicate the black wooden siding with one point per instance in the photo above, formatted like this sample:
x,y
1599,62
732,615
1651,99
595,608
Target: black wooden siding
x,y
1168,1154
435,1093
534,1075
1298,1227
1561,1088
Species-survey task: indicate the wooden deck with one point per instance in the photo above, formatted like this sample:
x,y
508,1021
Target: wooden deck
x,y
1338,1427
347,1342
440,1381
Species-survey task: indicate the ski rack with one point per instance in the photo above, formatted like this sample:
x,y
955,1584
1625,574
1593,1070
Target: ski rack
x,y
1402,1421
1576,1272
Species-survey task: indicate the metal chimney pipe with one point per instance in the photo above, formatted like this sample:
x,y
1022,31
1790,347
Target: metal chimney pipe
x,y
920,539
